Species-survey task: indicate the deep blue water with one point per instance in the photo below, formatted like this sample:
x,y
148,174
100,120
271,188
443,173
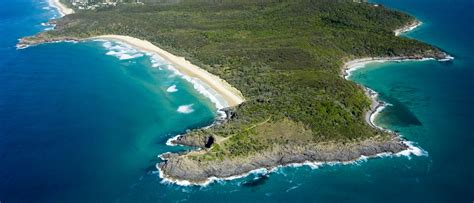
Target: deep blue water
x,y
78,125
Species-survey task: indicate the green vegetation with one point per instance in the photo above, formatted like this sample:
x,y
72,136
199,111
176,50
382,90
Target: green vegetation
x,y
285,57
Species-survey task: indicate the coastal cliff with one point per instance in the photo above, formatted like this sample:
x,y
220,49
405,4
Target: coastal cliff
x,y
179,167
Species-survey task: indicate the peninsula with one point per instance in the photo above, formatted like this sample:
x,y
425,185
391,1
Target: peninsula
x,y
286,58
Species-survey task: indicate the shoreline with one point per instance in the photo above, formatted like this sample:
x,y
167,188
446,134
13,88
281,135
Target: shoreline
x,y
407,28
229,94
62,9
411,149
394,147
376,107
221,93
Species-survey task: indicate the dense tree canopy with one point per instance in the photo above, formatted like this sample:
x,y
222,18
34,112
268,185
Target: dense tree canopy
x,y
284,56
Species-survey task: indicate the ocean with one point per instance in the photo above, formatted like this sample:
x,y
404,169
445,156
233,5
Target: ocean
x,y
84,122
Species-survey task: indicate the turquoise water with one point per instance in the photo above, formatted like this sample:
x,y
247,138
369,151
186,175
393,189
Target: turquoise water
x,y
80,125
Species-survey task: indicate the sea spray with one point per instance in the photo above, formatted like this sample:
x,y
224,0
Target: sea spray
x,y
170,142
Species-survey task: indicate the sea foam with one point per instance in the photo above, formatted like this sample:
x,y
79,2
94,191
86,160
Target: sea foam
x,y
124,51
169,142
121,51
198,85
411,150
185,109
172,88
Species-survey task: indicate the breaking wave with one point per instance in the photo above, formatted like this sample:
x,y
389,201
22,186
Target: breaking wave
x,y
201,87
125,51
121,51
172,88
412,150
185,109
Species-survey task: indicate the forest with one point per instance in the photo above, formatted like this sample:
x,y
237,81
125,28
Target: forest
x,y
284,56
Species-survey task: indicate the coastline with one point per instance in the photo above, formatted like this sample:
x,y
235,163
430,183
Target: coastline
x,y
409,27
318,156
321,154
215,88
230,95
376,107
62,9
411,150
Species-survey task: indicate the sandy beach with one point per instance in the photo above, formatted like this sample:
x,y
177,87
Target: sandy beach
x,y
63,10
376,106
231,95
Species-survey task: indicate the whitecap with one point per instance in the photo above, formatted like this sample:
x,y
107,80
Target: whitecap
x,y
198,85
208,181
447,58
159,65
293,188
107,44
121,51
111,53
128,56
124,52
172,88
185,108
411,150
203,89
312,165
169,142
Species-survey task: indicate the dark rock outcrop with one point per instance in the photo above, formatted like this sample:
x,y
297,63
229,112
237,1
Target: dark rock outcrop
x,y
39,39
192,141
182,168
